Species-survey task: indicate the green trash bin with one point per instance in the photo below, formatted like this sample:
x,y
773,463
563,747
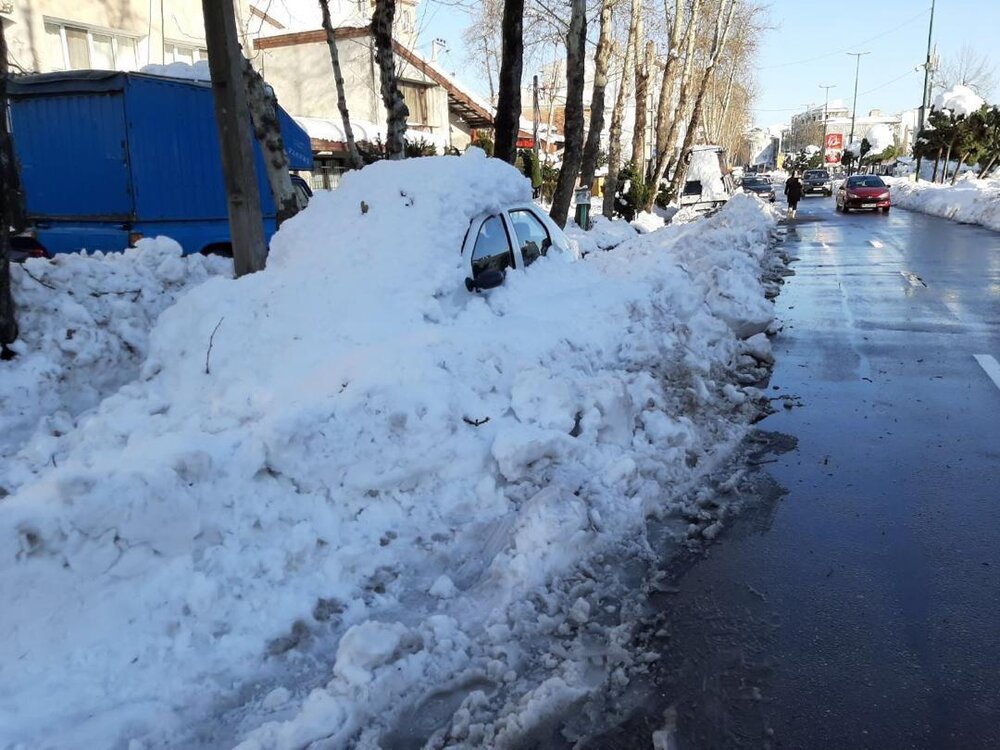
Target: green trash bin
x,y
582,200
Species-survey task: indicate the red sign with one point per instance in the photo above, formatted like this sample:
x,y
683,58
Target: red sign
x,y
525,142
834,140
833,157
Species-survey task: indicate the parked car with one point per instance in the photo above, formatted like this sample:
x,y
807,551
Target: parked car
x,y
863,191
513,238
817,181
760,186
107,158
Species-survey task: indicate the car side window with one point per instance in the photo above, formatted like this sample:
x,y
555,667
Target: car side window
x,y
492,251
532,235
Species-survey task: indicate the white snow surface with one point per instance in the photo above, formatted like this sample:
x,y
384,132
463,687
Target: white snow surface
x,y
603,234
85,323
192,72
305,457
969,201
959,99
880,137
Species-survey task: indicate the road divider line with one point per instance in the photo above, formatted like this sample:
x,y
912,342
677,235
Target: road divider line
x,y
989,363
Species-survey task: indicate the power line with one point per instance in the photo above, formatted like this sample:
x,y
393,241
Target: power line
x,y
888,83
848,49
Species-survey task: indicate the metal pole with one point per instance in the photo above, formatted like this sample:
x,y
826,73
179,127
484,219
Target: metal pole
x,y
925,100
857,70
826,116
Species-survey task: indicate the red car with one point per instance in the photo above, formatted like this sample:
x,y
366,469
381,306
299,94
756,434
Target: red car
x,y
863,191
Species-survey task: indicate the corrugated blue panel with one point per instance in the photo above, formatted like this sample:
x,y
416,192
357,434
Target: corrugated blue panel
x,y
73,156
174,148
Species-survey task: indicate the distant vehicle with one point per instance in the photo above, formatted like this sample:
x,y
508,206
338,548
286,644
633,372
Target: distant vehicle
x,y
863,191
709,184
759,186
107,158
512,238
817,181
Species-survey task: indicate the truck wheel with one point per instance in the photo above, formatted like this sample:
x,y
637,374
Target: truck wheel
x,y
222,249
885,210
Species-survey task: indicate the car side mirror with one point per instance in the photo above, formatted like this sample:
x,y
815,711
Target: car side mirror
x,y
489,279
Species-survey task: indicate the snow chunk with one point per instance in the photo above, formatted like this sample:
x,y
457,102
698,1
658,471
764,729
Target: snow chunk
x,y
959,99
365,647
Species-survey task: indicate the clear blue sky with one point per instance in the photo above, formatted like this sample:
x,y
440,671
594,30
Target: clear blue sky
x,y
808,47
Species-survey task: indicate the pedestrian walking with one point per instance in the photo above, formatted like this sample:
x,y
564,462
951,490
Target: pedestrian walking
x,y
793,191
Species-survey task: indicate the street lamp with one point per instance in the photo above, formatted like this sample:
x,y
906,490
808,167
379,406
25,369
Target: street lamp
x,y
857,69
826,105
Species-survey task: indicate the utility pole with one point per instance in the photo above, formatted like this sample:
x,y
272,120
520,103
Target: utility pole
x,y
826,116
232,117
925,99
857,69
536,114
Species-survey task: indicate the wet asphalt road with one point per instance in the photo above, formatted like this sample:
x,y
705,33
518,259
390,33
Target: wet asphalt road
x,y
862,608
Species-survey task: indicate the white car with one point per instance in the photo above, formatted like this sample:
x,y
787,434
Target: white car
x,y
512,238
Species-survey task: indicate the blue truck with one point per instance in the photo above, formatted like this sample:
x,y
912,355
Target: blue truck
x,y
106,158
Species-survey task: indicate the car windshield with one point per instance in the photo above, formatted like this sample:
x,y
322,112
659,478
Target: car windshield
x,y
819,174
753,182
865,181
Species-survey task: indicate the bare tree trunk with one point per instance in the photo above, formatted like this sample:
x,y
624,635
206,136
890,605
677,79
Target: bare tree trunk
x,y
392,99
553,87
919,159
267,129
961,163
718,42
8,199
669,81
937,163
666,159
576,43
489,71
229,92
508,115
601,58
947,161
641,92
984,171
615,132
338,78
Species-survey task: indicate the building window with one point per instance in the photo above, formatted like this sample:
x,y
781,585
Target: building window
x,y
78,48
415,97
183,53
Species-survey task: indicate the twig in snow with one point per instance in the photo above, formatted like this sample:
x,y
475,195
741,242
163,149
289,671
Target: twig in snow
x,y
40,281
476,422
134,292
211,339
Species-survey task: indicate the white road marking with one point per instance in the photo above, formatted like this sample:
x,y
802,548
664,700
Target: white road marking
x,y
991,366
875,243
912,278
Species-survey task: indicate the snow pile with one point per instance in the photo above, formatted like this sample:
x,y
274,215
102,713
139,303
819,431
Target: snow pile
x,y
646,222
959,100
350,449
84,324
603,234
190,72
812,149
970,201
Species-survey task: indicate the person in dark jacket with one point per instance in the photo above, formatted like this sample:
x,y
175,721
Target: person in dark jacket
x,y
793,191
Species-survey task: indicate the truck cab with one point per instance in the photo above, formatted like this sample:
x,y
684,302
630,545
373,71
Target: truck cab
x,y
106,158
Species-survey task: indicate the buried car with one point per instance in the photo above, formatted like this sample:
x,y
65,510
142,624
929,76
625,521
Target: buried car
x,y
863,191
515,237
